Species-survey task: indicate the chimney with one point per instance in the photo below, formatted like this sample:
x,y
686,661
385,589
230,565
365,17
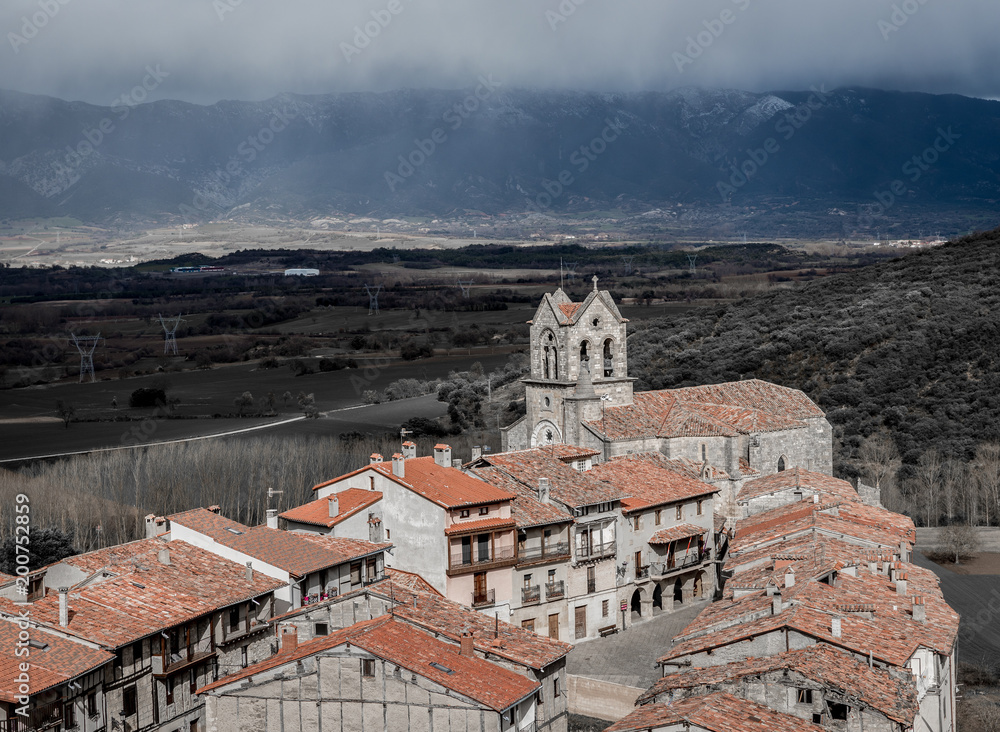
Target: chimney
x,y
63,606
477,452
468,647
835,627
904,551
872,565
272,518
919,610
164,555
334,505
442,455
776,604
456,463
374,458
289,638
399,465
543,490
151,526
249,571
815,497
215,509
901,584
789,578
409,450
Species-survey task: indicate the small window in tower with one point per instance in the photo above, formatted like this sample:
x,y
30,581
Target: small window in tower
x,y
548,402
781,463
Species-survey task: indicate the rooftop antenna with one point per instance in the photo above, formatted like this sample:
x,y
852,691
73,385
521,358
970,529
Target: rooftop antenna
x,y
86,345
170,334
692,258
270,494
373,299
466,287
627,260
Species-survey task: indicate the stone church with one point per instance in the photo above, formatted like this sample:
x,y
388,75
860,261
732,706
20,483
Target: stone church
x,y
579,393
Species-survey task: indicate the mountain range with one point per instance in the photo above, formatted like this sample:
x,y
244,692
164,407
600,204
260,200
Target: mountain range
x,y
846,160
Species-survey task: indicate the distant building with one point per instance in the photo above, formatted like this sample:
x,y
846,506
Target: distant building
x,y
301,272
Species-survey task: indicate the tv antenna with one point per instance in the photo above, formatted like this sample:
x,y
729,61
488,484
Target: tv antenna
x,y
692,258
270,494
86,345
373,299
627,261
170,334
466,287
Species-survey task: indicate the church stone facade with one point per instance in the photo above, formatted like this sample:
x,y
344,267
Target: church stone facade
x,y
579,392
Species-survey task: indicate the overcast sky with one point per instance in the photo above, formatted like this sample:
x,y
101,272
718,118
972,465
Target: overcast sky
x,y
207,50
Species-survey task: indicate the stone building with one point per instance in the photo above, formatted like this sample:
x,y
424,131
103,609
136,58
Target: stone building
x,y
578,392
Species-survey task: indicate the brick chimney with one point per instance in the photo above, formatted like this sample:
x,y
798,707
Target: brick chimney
x,y
835,627
399,465
334,505
901,584
272,518
215,509
163,556
442,455
289,639
919,610
477,452
468,647
249,572
374,458
63,606
409,450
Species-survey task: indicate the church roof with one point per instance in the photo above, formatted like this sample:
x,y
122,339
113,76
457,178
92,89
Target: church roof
x,y
567,312
716,410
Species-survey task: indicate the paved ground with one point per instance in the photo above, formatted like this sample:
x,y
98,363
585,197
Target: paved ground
x,y
628,657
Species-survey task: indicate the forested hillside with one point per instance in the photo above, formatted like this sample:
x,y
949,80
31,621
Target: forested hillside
x,y
910,347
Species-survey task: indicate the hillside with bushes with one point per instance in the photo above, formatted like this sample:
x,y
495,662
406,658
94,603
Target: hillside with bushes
x,y
909,347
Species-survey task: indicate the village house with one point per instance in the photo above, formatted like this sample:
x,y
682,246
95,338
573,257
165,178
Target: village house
x,y
310,566
169,617
452,529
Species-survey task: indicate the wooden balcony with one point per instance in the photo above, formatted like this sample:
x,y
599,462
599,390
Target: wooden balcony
x,y
167,666
546,553
595,551
462,564
675,564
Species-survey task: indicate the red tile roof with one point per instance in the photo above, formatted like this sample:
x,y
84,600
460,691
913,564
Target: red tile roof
x,y
650,479
675,533
526,509
297,554
317,512
61,661
408,647
797,479
136,595
733,408
448,487
567,485
489,524
718,712
569,309
411,581
822,663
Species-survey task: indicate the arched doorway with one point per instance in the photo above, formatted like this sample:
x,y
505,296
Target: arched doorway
x,y
657,598
678,592
636,603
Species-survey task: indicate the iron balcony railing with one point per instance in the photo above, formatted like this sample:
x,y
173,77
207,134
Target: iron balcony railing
x,y
555,590
480,599
530,595
642,572
658,569
530,554
596,551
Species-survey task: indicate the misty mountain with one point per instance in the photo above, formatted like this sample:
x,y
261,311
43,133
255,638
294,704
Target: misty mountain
x,y
861,154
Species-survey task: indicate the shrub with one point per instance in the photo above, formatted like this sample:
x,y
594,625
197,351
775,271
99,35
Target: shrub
x,y
147,397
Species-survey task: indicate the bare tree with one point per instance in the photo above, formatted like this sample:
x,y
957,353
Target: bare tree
x,y
879,459
987,471
66,412
926,486
961,540
953,475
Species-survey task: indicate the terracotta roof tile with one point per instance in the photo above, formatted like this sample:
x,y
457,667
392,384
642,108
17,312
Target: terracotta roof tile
x,y
298,554
448,487
488,524
797,479
317,512
567,485
675,533
404,645
60,661
822,663
650,479
136,595
526,509
411,581
718,712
